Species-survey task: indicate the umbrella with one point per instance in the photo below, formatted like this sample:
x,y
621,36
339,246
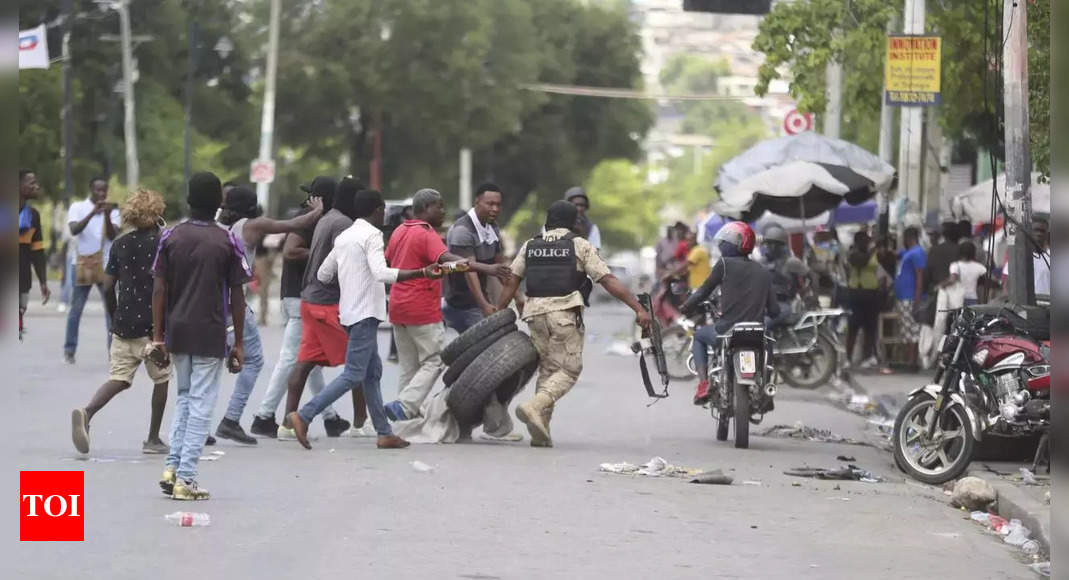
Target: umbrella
x,y
799,176
974,203
855,214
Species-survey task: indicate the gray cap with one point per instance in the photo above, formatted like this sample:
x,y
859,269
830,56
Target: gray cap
x,y
574,192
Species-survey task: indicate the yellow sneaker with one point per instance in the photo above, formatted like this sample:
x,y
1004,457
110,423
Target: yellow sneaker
x,y
167,481
189,491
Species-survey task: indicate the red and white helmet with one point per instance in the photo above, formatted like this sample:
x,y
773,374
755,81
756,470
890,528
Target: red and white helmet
x,y
738,234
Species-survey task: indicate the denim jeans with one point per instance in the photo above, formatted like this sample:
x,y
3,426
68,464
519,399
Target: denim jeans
x,y
67,291
197,379
704,337
79,296
287,357
250,371
461,319
363,369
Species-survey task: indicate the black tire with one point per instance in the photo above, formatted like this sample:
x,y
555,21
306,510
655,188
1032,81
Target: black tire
x,y
516,383
488,372
457,367
722,423
676,350
823,348
742,416
965,452
477,333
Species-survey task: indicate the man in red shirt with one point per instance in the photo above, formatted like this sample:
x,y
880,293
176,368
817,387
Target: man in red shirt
x,y
416,304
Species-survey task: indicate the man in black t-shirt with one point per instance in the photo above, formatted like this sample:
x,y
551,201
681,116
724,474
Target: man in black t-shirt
x,y
200,271
31,244
129,270
474,235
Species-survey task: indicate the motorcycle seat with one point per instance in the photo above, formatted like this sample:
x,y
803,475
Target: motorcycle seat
x,y
1031,320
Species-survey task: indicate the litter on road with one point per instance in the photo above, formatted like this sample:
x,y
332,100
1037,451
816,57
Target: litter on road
x,y
189,519
655,467
801,431
421,467
848,473
715,477
1013,532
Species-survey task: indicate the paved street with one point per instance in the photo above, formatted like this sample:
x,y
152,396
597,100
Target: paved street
x,y
487,510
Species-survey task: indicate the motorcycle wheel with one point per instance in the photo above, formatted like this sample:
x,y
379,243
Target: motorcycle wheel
x,y
722,419
823,359
676,351
941,460
742,416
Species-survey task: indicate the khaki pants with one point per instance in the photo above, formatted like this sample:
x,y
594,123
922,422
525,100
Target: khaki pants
x,y
558,338
419,350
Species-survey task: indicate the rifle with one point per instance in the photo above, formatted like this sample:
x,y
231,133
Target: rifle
x,y
651,344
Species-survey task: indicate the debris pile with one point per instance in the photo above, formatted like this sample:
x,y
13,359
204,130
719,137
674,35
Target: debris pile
x,y
655,467
802,431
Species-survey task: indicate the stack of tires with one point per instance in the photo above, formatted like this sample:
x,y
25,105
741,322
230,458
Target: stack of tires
x,y
491,359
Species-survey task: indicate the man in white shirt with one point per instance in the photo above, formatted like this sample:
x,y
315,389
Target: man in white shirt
x,y
1040,261
359,263
94,223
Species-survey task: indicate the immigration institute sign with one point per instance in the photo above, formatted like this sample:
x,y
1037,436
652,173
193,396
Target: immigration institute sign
x,y
913,71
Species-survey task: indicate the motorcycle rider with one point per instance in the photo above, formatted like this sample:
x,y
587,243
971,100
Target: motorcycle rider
x,y
786,270
745,296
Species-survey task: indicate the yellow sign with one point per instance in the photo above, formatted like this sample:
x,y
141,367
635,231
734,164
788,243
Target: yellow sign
x,y
912,73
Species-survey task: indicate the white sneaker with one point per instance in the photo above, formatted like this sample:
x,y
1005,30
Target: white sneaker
x,y
512,437
287,434
61,308
366,431
872,362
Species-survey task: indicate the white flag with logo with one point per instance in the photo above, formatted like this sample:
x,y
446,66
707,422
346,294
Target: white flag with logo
x,y
33,48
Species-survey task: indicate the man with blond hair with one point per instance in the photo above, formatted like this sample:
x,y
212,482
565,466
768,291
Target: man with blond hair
x,y
128,299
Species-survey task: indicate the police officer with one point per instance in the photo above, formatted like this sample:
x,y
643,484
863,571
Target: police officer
x,y
787,271
556,265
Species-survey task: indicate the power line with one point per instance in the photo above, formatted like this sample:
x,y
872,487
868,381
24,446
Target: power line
x,y
626,93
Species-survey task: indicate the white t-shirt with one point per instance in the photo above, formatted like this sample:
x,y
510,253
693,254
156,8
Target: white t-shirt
x,y
88,242
1040,272
968,275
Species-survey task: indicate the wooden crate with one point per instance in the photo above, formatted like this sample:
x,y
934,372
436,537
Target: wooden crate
x,y
893,347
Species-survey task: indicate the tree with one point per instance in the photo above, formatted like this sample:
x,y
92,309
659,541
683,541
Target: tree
x,y
854,35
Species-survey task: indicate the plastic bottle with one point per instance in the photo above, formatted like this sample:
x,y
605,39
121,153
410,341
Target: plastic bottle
x,y
189,519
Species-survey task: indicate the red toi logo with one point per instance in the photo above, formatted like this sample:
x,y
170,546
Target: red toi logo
x,y
51,506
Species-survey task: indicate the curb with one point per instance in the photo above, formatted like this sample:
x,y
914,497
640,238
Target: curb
x,y
1015,504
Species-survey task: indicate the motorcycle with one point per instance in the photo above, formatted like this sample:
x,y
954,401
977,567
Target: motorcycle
x,y
993,378
807,354
740,385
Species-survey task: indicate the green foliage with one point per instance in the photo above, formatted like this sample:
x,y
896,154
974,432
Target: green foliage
x,y
790,41
429,76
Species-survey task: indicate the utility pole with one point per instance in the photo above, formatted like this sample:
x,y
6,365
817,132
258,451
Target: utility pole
x,y
191,38
886,150
911,127
465,179
267,122
129,120
833,75
68,118
1018,155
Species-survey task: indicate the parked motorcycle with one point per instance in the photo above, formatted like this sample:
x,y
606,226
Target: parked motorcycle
x,y
993,377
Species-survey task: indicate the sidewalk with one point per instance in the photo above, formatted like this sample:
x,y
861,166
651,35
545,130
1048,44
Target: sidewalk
x,y
1016,499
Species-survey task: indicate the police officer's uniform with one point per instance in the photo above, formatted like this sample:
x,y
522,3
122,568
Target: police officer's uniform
x,y
556,267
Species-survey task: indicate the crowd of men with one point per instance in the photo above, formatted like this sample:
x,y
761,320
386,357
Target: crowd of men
x,y
175,303
933,272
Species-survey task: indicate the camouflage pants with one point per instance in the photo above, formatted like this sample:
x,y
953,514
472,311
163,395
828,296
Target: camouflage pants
x,y
558,338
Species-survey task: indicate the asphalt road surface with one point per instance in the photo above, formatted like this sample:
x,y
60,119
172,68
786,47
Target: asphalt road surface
x,y
487,510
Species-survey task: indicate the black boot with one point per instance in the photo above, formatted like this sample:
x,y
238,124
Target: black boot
x,y
230,429
335,426
264,426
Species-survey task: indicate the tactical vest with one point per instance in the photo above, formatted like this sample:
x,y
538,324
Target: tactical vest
x,y
552,267
784,285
